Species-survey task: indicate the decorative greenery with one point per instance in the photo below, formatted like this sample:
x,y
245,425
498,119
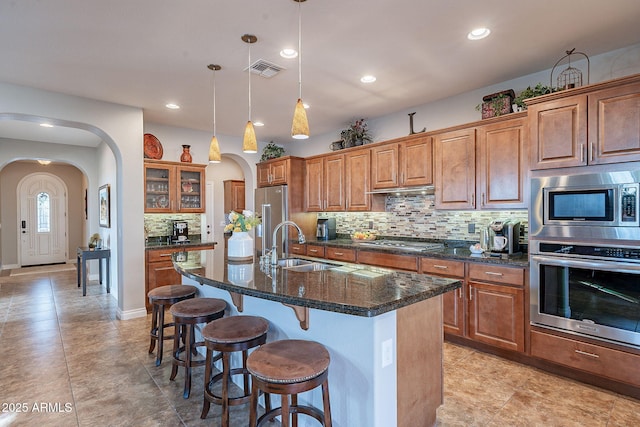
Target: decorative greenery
x,y
495,104
244,221
93,240
271,151
530,92
356,134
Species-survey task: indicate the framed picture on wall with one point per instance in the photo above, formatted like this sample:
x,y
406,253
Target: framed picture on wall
x,y
104,197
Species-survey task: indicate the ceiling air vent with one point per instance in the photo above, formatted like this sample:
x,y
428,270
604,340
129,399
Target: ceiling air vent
x,y
264,68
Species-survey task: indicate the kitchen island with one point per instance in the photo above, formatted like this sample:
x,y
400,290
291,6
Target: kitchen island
x,y
382,327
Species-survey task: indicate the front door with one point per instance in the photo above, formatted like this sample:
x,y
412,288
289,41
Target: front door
x,y
42,213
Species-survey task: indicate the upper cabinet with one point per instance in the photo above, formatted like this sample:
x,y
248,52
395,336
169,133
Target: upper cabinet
x,y
483,166
273,172
597,124
234,192
358,180
324,183
403,163
174,187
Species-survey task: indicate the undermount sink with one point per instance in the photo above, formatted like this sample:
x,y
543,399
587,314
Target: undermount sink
x,y
304,265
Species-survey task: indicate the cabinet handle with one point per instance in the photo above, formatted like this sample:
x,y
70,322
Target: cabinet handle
x,y
585,353
338,253
460,293
442,267
165,255
473,200
470,293
581,153
493,273
593,148
313,250
482,199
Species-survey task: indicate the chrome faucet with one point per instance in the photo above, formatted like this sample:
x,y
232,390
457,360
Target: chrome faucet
x,y
274,249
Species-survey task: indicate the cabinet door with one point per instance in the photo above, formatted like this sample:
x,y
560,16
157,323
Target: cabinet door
x,y
191,187
558,133
455,161
496,315
358,180
502,165
384,166
234,192
453,312
416,162
334,183
314,199
264,174
278,172
614,125
159,189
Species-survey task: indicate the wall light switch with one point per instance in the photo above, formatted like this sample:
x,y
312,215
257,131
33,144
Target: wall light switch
x,y
387,352
471,228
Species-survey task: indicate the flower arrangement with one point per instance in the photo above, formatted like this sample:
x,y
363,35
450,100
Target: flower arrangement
x,y
356,134
94,240
244,221
271,151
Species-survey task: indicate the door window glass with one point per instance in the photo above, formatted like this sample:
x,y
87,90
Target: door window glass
x,y
43,213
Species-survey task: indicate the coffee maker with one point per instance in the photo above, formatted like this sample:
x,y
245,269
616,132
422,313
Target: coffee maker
x,y
326,229
180,231
504,237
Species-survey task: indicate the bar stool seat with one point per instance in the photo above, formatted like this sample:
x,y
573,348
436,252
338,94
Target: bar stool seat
x,y
228,335
289,367
160,298
187,314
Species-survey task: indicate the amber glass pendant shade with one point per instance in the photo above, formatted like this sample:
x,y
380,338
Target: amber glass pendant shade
x,y
214,151
249,143
300,126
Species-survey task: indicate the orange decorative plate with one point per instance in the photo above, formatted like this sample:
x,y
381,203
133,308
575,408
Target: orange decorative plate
x,y
152,147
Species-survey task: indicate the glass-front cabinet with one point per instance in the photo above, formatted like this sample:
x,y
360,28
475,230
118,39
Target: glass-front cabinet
x,y
173,187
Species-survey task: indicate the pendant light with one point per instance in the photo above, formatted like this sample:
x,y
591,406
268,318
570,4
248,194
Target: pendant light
x,y
300,126
214,147
249,143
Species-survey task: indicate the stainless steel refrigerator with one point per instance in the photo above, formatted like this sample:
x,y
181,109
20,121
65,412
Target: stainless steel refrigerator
x,y
271,205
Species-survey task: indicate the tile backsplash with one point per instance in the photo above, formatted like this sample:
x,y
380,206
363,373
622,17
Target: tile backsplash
x,y
159,225
416,216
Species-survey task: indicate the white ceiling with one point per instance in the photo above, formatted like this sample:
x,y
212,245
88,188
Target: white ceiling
x,y
146,53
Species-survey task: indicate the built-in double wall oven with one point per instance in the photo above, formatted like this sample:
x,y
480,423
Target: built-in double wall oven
x,y
584,244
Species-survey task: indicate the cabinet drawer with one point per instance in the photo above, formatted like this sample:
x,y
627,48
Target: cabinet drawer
x,y
298,249
402,262
315,250
496,273
607,362
341,254
442,267
161,254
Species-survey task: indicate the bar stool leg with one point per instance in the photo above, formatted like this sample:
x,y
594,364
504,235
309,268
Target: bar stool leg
x,y
253,409
285,410
187,360
326,403
179,332
160,334
226,370
154,328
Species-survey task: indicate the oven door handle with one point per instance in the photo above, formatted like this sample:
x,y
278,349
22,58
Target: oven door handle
x,y
586,263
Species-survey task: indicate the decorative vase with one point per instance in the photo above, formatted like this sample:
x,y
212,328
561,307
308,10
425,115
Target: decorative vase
x,y
186,155
240,274
240,246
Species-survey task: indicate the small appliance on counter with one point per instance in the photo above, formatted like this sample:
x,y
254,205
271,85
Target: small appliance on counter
x,y
326,229
504,237
180,232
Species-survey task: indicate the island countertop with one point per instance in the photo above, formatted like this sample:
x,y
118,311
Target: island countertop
x,y
346,288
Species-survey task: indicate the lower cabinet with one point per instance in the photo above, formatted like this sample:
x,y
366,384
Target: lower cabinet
x,y
489,308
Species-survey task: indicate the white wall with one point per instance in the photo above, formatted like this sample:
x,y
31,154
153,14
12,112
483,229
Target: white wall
x,y
461,108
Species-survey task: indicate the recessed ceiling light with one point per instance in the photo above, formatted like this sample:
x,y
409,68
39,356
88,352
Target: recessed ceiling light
x,y
368,79
172,106
289,53
46,125
258,123
478,33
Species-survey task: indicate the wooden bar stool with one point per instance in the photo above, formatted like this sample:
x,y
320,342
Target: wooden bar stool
x,y
160,298
187,314
289,367
228,335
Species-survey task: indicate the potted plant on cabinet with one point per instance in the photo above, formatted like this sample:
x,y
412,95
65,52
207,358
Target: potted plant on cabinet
x,y
356,134
530,92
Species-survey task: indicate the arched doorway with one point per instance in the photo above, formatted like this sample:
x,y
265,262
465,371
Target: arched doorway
x,y
42,216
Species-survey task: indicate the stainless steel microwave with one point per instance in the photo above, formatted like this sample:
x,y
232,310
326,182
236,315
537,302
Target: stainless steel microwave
x,y
585,204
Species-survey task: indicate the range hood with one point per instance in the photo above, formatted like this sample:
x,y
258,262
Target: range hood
x,y
424,190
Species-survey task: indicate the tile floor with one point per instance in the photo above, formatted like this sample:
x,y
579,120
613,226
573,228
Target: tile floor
x,y
66,360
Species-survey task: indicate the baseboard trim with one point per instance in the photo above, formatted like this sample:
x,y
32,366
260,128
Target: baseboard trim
x,y
131,314
10,266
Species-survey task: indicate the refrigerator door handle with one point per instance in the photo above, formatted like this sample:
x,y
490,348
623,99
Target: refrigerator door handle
x,y
266,228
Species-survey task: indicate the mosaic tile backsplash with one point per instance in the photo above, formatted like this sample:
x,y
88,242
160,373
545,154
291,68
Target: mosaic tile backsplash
x,y
159,225
416,217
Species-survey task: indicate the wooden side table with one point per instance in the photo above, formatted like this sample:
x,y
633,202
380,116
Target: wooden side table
x,y
83,254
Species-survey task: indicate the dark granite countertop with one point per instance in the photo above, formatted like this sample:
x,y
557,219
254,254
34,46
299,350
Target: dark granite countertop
x,y
161,242
346,288
454,250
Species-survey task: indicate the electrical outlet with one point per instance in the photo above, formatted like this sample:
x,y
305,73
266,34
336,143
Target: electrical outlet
x,y
387,352
370,225
471,228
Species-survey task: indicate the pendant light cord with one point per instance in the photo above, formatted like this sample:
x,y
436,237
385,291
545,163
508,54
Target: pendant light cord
x,y
249,81
214,102
299,51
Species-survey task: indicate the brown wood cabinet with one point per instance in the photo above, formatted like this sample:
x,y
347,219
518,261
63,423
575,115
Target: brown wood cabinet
x,y
325,184
490,306
400,262
159,267
174,187
315,250
340,254
234,192
482,166
298,249
358,180
276,171
596,124
408,162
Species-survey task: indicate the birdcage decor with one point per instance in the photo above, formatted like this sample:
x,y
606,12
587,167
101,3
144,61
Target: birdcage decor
x,y
570,77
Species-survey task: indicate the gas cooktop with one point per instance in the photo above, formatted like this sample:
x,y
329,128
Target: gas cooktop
x,y
404,245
